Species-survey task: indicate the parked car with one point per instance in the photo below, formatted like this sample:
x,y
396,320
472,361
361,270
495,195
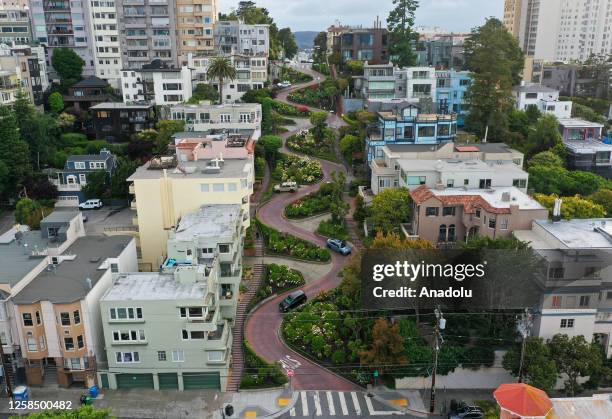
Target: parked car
x,y
283,84
339,246
286,187
464,411
91,204
292,301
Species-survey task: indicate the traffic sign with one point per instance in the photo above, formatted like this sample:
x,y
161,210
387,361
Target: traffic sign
x,y
290,373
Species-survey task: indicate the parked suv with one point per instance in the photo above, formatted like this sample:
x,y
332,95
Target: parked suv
x,y
462,410
286,187
91,204
292,301
339,246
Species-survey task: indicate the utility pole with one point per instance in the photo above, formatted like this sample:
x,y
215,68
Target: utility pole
x,y
438,340
9,388
523,326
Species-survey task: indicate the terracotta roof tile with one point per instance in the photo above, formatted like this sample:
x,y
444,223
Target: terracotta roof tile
x,y
469,202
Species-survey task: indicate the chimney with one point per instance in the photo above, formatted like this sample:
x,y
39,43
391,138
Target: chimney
x,y
557,210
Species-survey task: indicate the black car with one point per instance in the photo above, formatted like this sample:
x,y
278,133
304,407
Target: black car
x,y
292,301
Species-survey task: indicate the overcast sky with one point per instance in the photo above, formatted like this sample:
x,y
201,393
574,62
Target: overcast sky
x,y
316,15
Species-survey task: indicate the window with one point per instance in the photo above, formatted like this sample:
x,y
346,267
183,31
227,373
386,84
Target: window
x,y
442,233
427,131
128,335
225,117
609,295
41,342
215,356
584,300
161,356
556,273
204,187
466,182
127,357
79,165
556,301
191,312
503,224
448,211
477,213
80,342
224,248
178,355
450,183
32,347
519,183
38,321
27,319
567,323
431,211
484,183
492,222
77,317
197,334
531,95
451,233
114,268
69,344
123,313
218,187
416,180
232,187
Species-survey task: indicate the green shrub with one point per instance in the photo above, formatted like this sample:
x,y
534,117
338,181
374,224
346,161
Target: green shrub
x,y
261,374
317,203
298,169
74,139
330,229
288,245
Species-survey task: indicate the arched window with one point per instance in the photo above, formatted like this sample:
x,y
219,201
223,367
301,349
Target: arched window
x,y
451,233
442,235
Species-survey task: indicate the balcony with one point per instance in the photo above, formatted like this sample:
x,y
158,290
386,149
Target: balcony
x,y
66,187
131,189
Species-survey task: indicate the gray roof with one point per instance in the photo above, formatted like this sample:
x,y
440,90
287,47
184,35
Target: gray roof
x,y
16,259
88,157
489,147
121,105
92,81
209,221
153,286
232,168
399,148
60,216
533,88
68,282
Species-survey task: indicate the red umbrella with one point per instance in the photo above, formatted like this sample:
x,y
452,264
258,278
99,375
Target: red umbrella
x,y
523,400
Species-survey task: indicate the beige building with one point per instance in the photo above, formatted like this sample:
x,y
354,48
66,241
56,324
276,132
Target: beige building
x,y
447,215
166,189
195,20
512,16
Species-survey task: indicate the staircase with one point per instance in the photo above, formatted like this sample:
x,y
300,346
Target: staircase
x,y
50,377
352,227
237,370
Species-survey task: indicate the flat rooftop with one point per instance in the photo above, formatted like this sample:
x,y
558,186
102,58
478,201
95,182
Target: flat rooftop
x,y
578,123
208,106
60,216
486,147
494,196
232,168
593,233
210,220
121,105
452,165
67,283
534,88
153,286
16,255
587,146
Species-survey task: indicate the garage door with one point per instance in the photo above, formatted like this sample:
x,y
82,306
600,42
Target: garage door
x,y
168,381
199,380
125,381
104,381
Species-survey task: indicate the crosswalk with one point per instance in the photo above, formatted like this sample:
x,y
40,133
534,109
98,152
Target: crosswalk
x,y
311,404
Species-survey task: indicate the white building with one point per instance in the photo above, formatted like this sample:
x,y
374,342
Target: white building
x,y
544,98
578,294
205,116
251,73
235,37
386,82
105,36
561,30
159,85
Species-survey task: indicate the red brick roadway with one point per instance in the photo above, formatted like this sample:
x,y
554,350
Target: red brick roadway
x,y
263,326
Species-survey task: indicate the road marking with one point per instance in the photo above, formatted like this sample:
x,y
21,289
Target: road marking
x,y
317,403
250,414
343,403
282,402
304,403
356,403
400,402
330,402
292,411
377,412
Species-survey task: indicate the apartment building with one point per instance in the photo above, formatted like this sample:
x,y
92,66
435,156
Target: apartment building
x,y
398,162
578,293
235,37
73,177
542,97
86,93
119,122
228,117
15,27
444,51
24,254
166,189
64,23
409,126
562,30
158,84
12,78
105,36
195,22
195,294
58,311
33,67
358,43
587,147
451,89
445,215
251,73
148,32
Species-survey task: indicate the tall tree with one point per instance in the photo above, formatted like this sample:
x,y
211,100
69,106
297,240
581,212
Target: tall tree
x,y
539,369
320,48
575,357
14,154
68,65
221,68
389,208
288,43
495,59
544,136
252,15
56,102
402,35
387,348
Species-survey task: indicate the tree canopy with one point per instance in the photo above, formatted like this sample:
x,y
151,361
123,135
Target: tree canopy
x,y
14,154
401,32
390,207
68,64
287,42
572,206
539,369
575,357
221,68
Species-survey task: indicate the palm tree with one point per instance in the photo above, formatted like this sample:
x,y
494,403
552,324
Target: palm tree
x,y
220,68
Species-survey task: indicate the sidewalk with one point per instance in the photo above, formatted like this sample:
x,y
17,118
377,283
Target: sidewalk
x,y
261,404
408,401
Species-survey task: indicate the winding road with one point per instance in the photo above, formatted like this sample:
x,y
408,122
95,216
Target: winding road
x,y
263,325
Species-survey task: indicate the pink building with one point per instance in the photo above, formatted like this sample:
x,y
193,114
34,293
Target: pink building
x,y
212,147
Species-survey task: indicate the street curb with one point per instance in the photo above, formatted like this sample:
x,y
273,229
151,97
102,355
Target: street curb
x,y
299,220
294,399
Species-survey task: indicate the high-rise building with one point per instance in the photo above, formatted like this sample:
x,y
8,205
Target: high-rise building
x,y
560,30
63,23
105,36
195,21
147,32
15,27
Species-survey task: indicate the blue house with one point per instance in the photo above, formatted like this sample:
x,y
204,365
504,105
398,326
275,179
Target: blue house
x,y
408,126
450,92
73,177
